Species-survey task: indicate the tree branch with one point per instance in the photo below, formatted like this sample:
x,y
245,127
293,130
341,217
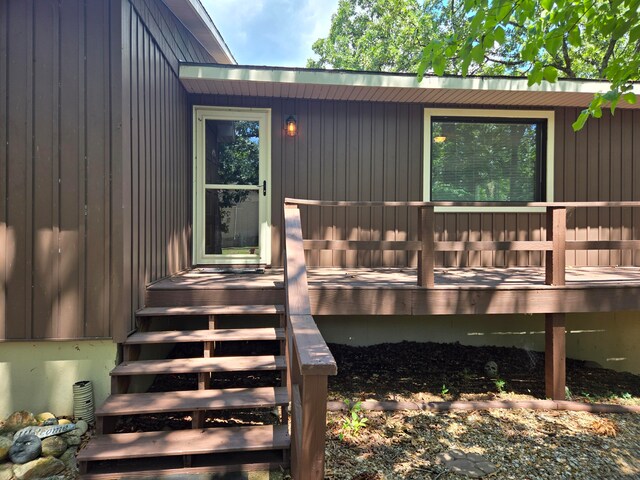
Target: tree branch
x,y
607,56
567,59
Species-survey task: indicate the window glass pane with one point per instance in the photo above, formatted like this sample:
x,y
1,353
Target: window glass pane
x,y
232,152
231,222
485,161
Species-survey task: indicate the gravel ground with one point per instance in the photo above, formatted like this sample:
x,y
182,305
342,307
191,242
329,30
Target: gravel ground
x,y
523,444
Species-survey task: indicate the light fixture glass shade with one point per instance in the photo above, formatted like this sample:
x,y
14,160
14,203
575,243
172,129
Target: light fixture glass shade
x,y
291,126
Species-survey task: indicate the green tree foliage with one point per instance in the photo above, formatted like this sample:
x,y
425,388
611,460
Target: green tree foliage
x,y
380,35
547,39
542,39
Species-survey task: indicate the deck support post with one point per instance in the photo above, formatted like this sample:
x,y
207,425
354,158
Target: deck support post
x,y
310,457
556,233
426,220
555,356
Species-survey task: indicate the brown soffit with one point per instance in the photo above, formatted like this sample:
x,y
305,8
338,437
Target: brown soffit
x,y
195,18
307,83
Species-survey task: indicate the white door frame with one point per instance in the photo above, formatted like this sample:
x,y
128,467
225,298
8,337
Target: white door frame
x,y
201,113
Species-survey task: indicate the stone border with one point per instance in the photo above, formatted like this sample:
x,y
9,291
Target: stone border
x,y
393,406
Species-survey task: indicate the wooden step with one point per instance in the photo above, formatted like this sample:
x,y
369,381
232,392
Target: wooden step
x,y
211,310
221,335
193,400
119,446
201,365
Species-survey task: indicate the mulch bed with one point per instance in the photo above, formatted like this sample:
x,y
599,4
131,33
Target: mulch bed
x,y
436,371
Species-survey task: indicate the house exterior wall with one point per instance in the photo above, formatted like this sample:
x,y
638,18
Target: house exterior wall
x,y
94,165
156,153
374,151
55,163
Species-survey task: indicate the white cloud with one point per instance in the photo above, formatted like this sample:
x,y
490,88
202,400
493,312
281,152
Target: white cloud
x,y
271,32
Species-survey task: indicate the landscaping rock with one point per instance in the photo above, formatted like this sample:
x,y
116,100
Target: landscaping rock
x,y
82,427
53,446
470,465
64,421
44,432
44,416
491,369
69,459
50,421
38,469
5,445
6,471
17,421
72,438
25,449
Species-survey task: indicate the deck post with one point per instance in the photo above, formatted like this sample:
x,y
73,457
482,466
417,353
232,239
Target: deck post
x,y
426,257
314,418
556,233
555,356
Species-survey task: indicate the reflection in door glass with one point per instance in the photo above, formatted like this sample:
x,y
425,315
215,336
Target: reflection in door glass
x,y
232,222
232,152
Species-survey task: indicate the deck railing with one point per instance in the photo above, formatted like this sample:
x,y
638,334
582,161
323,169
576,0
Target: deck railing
x,y
309,361
554,246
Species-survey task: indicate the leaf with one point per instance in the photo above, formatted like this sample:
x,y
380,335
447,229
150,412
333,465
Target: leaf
x,y
580,121
550,74
439,64
477,54
499,34
630,97
553,42
574,38
596,112
546,4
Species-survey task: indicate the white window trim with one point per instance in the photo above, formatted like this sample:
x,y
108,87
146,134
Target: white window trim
x,y
488,113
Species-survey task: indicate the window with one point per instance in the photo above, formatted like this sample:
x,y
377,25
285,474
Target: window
x,y
488,156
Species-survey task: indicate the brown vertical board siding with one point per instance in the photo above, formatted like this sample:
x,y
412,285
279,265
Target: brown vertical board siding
x,y
156,222
19,159
96,170
71,301
374,151
56,137
4,116
636,181
626,189
45,196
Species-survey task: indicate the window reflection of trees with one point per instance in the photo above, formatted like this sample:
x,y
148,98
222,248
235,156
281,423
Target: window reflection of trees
x,y
486,161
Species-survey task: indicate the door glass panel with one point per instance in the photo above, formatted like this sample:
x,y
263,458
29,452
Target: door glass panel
x,y
231,222
232,152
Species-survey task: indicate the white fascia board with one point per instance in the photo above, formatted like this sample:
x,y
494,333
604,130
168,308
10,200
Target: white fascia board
x,y
195,18
375,80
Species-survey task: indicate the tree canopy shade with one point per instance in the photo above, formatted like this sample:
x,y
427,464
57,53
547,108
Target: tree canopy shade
x,y
546,39
543,39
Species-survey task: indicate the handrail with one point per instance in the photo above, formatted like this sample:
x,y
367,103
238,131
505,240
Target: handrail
x,y
376,203
554,246
309,361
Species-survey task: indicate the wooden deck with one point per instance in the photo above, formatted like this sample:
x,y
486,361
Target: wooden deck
x,y
393,291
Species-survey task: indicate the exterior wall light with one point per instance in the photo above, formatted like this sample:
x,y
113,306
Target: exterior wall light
x,y
291,126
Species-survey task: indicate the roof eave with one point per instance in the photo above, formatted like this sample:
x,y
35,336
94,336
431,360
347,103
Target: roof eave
x,y
195,18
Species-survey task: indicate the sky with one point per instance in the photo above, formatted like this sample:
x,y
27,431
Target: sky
x,y
271,32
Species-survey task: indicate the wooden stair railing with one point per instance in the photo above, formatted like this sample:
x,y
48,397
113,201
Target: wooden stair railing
x,y
309,360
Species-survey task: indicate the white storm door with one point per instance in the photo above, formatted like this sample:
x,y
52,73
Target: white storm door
x,y
232,183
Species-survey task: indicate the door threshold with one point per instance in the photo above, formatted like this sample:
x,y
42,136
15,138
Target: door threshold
x,y
230,270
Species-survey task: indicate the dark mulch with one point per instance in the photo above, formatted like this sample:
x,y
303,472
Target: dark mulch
x,y
403,369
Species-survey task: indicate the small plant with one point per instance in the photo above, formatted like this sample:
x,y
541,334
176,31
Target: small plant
x,y
500,384
567,393
354,421
626,396
444,390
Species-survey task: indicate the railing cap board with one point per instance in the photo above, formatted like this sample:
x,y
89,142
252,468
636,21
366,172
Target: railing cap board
x,y
358,203
314,356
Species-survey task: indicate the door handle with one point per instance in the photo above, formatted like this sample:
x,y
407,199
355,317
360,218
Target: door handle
x,y
264,188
